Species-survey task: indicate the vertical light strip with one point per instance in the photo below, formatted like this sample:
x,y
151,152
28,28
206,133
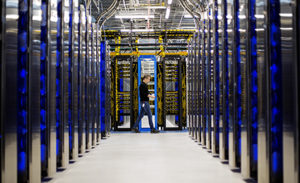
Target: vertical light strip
x,y
70,59
22,100
226,93
58,78
79,78
217,69
102,85
86,113
238,79
253,87
43,86
209,94
204,84
276,95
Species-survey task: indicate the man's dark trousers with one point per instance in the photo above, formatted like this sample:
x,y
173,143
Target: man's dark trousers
x,y
145,109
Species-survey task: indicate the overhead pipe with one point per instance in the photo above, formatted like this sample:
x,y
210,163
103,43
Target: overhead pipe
x,y
106,16
109,9
198,4
109,15
185,6
149,44
184,3
195,5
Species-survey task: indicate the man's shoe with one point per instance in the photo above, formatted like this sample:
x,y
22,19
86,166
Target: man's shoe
x,y
135,130
154,131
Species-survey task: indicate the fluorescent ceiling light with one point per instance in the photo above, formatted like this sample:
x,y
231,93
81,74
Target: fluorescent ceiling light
x,y
189,16
156,7
169,1
12,16
286,14
137,30
258,16
134,16
168,13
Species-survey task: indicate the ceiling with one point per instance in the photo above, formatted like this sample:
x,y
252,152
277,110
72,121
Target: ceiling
x,y
156,9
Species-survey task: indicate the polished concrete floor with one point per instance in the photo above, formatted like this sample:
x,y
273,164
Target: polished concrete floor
x,y
148,158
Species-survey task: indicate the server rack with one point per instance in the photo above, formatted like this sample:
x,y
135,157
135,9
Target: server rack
x,y
290,43
123,96
93,82
32,123
216,79
254,101
191,85
42,78
252,84
82,81
98,84
195,84
204,53
105,90
173,75
9,112
88,79
193,104
108,76
73,78
189,89
48,87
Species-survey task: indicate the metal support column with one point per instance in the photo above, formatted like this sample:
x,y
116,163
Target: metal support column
x,y
82,81
9,113
290,85
74,59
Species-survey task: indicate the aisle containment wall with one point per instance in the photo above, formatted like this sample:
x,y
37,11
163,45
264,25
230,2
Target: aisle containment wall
x,y
243,78
50,87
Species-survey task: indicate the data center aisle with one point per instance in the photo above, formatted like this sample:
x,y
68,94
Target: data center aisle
x,y
156,158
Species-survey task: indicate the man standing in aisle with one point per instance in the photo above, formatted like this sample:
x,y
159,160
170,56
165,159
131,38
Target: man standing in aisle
x,y
145,106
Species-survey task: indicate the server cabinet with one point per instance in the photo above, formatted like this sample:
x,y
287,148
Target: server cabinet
x,y
263,107
66,83
290,86
188,70
9,72
204,82
88,80
34,144
216,79
243,88
209,74
252,100
172,82
231,83
108,76
224,137
21,93
199,88
62,84
73,78
48,87
104,90
94,84
194,85
1,76
98,95
134,99
197,63
82,81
